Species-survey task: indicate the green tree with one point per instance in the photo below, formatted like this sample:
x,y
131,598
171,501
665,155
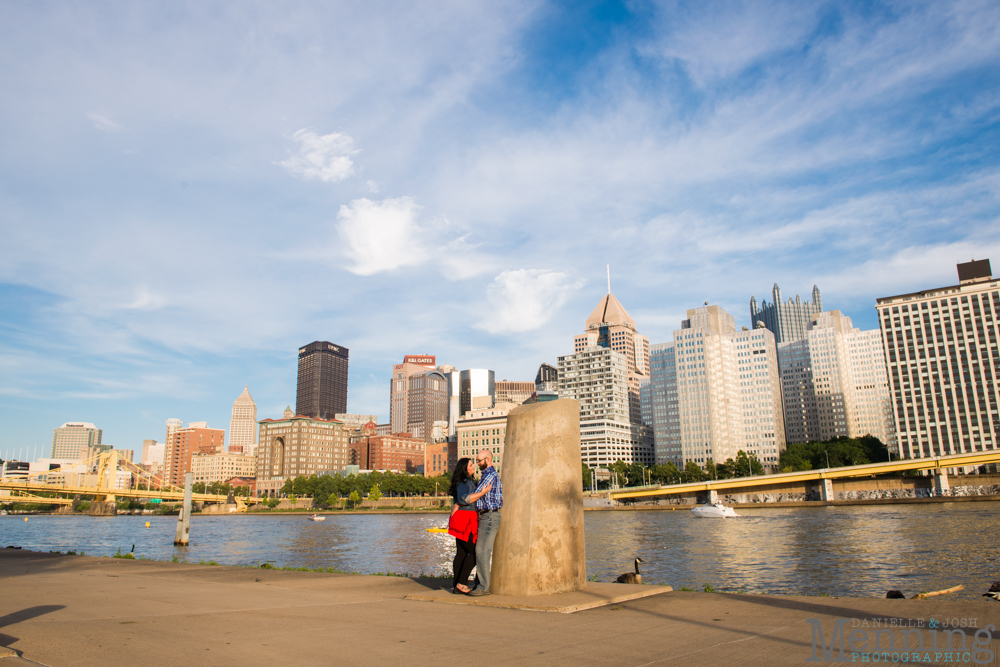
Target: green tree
x,y
710,470
333,500
725,470
355,498
741,468
636,474
665,473
374,494
587,476
693,472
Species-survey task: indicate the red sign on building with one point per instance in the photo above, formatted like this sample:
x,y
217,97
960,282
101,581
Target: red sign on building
x,y
423,360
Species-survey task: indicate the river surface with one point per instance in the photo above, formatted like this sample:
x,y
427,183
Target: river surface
x,y
839,551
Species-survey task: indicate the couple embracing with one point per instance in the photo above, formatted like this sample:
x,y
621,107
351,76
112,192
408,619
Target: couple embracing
x,y
475,519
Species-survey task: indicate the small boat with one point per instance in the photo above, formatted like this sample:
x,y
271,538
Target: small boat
x,y
438,530
714,510
316,517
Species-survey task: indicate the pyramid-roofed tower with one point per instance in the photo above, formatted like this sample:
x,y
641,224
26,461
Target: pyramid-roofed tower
x,y
610,311
243,425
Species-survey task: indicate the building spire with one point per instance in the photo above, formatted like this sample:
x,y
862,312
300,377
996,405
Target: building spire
x,y
609,279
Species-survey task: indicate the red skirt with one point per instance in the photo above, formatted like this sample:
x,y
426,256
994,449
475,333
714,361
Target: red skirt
x,y
464,525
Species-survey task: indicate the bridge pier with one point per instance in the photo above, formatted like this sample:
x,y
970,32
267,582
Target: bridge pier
x,y
941,486
713,496
826,489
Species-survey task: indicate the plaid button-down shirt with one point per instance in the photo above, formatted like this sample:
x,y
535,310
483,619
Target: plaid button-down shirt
x,y
493,500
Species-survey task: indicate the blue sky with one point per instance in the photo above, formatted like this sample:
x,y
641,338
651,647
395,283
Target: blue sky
x,y
191,191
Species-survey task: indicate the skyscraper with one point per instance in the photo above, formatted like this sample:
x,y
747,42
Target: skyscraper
x,y
834,383
610,326
715,390
322,386
423,403
787,321
610,361
598,378
663,416
68,439
243,425
941,351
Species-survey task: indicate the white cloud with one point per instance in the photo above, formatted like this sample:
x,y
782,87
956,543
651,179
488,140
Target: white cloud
x,y
322,157
103,123
380,235
525,299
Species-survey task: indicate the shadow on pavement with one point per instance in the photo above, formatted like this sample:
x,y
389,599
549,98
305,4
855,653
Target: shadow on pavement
x,y
24,615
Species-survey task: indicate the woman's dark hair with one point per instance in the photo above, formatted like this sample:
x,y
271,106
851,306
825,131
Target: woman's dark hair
x,y
459,475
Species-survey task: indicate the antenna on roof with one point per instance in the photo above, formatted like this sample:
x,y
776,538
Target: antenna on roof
x,y
609,279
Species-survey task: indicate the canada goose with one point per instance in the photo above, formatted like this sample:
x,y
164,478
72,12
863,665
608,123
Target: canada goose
x,y
994,595
632,577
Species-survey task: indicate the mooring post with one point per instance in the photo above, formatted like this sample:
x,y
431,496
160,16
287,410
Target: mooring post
x,y
184,519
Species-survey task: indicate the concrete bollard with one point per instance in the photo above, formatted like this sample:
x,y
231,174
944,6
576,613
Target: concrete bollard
x,y
540,545
183,534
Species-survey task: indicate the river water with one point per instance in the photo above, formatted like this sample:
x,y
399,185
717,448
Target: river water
x,y
839,551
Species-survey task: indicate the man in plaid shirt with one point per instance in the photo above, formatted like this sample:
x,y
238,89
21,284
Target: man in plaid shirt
x,y
489,519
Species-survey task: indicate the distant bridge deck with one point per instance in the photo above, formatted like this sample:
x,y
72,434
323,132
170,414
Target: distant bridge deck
x,y
33,488
748,484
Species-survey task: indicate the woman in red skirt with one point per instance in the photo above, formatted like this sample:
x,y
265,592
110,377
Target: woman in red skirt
x,y
464,522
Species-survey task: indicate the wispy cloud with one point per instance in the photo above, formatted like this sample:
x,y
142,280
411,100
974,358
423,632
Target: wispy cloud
x,y
324,157
104,123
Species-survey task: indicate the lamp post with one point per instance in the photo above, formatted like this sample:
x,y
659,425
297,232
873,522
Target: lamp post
x,y
827,458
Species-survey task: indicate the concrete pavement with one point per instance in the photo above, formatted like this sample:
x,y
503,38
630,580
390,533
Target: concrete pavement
x,y
75,610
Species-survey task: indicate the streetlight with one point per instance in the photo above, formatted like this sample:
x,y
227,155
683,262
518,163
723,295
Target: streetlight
x,y
827,458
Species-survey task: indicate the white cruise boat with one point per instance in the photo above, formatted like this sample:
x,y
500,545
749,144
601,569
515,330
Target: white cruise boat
x,y
714,510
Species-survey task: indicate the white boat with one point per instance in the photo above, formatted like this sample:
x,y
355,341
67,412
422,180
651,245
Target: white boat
x,y
316,517
714,510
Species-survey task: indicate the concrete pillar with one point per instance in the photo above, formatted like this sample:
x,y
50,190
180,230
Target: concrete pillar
x,y
540,546
183,533
713,495
941,486
826,489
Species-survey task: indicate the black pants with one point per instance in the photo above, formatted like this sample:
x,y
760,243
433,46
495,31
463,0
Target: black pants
x,y
465,560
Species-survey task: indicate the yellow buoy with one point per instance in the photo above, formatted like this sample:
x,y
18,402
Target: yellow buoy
x,y
25,518
147,524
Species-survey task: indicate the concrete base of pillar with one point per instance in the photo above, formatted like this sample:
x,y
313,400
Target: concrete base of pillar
x,y
826,489
941,485
102,508
540,547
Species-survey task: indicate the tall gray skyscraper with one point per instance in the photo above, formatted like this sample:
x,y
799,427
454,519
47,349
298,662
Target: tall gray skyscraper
x,y
322,387
787,321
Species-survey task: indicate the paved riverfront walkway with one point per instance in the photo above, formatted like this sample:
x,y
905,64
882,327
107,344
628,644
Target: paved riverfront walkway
x,y
75,610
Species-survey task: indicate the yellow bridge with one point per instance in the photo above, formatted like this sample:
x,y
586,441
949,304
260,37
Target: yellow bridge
x,y
104,487
939,464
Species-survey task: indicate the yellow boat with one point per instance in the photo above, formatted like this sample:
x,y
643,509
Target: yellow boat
x,y
438,530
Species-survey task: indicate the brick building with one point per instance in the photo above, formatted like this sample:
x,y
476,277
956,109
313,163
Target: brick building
x,y
398,452
197,438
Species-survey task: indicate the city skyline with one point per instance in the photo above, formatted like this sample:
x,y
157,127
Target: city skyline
x,y
178,183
